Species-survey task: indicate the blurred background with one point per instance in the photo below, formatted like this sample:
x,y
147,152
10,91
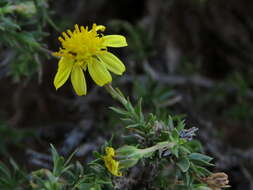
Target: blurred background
x,y
188,57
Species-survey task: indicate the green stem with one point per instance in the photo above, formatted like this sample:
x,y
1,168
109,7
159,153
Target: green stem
x,y
115,94
159,146
136,118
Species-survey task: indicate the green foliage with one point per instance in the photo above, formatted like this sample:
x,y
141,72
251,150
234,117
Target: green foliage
x,y
14,179
67,175
150,141
161,140
21,35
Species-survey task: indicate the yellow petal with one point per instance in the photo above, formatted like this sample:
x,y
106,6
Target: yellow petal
x,y
99,73
114,41
100,27
62,75
112,63
78,80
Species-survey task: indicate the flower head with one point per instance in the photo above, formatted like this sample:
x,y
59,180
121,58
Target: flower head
x,y
217,181
111,164
84,49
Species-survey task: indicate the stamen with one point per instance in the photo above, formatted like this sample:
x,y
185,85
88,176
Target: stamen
x,y
65,35
69,33
61,39
101,28
82,29
77,28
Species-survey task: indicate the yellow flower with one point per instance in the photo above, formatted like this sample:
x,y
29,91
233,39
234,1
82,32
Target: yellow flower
x,y
82,49
111,164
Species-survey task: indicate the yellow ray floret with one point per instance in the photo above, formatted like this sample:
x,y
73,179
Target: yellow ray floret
x,y
111,164
82,49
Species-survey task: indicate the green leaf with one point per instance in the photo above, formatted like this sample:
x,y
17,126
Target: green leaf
x,y
203,188
184,150
138,110
14,164
128,163
58,162
85,186
194,146
198,156
119,111
183,164
174,151
175,133
200,159
70,158
4,172
171,124
133,126
181,125
202,163
188,180
203,171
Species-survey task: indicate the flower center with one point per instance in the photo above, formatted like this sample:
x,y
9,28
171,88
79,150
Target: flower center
x,y
81,44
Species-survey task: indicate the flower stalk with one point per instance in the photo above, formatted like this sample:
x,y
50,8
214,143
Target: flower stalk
x,y
119,96
159,146
116,94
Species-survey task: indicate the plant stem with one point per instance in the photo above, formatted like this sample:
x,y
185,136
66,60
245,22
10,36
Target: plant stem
x,y
118,95
115,94
159,146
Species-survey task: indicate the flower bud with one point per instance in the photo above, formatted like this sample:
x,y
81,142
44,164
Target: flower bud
x,y
128,156
111,164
